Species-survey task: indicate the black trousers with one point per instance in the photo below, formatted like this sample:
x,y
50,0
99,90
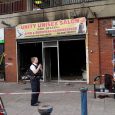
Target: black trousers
x,y
35,86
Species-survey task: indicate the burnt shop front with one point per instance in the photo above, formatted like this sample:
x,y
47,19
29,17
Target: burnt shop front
x,y
61,47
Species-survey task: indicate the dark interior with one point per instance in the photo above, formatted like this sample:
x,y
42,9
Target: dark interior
x,y
72,59
26,51
51,63
54,64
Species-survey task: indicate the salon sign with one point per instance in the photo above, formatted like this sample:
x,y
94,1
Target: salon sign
x,y
52,28
1,35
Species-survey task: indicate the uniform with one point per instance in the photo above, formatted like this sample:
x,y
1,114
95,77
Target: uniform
x,y
35,86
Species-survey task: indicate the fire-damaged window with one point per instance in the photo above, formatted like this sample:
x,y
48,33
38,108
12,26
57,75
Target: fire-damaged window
x,y
41,4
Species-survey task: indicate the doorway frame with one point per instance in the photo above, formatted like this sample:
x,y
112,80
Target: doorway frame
x,y
87,60
36,40
43,58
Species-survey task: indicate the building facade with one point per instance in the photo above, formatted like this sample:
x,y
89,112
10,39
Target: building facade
x,y
74,57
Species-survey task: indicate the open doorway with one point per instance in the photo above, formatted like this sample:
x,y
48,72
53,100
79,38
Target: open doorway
x,y
25,52
62,60
51,63
72,56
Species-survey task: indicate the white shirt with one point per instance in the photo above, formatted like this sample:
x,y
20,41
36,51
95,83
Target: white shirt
x,y
33,68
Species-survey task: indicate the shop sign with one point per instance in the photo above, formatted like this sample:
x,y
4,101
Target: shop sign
x,y
2,35
52,28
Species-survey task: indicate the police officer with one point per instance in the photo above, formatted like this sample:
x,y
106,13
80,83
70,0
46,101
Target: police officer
x,y
35,80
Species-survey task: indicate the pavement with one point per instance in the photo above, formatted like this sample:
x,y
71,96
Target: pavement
x,y
62,103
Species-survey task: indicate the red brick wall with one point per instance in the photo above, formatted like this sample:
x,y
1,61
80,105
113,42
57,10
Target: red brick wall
x,y
106,50
100,59
10,58
93,48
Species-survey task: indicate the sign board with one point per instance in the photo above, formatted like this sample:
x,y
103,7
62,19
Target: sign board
x,y
1,35
52,28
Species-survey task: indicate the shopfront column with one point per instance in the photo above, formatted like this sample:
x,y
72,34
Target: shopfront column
x,y
10,55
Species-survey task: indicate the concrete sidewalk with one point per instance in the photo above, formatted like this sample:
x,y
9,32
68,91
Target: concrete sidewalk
x,y
63,104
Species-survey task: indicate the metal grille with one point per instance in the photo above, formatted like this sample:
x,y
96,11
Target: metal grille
x,y
21,5
55,3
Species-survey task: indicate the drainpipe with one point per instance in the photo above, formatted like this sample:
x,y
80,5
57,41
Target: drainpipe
x,y
99,48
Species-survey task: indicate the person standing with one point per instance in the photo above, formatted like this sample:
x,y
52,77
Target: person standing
x,y
35,80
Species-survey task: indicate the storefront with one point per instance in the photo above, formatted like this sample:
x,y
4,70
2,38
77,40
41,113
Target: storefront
x,y
66,54
61,47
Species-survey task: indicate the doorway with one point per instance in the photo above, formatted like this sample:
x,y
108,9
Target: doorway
x,y
62,60
72,60
25,52
50,61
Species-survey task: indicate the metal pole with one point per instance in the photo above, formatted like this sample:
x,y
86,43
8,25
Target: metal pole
x,y
94,91
84,101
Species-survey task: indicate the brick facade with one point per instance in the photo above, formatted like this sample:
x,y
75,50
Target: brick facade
x,y
93,48
10,58
106,48
99,50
